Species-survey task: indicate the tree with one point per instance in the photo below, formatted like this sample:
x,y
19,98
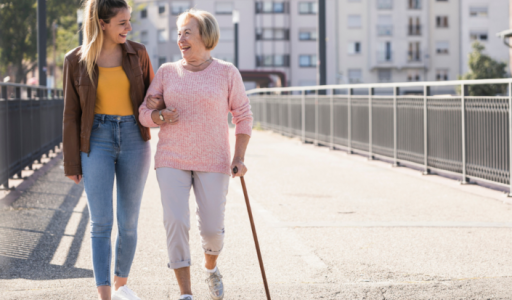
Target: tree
x,y
482,66
18,31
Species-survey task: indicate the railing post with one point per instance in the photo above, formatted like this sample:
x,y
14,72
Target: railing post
x,y
463,118
6,135
426,93
290,129
396,92
20,124
264,100
331,118
303,111
316,118
349,118
371,92
510,138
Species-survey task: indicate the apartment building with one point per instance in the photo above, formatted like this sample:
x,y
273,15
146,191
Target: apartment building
x,y
398,40
415,40
481,20
274,36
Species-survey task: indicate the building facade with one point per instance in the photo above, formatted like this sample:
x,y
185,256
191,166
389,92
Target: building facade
x,y
273,35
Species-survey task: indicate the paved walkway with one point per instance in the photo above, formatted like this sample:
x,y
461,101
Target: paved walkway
x,y
331,226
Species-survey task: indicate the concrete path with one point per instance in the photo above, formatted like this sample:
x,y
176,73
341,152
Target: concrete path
x,y
331,226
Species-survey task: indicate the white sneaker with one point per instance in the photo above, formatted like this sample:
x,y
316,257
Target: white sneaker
x,y
124,293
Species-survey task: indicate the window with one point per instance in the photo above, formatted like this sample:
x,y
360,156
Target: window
x,y
271,7
414,53
226,35
224,8
478,36
442,74
384,25
355,75
178,7
272,34
354,21
163,36
414,26
144,13
354,48
307,61
306,8
384,53
279,60
414,4
478,12
442,21
162,60
442,47
307,35
384,75
413,75
384,4
144,38
161,8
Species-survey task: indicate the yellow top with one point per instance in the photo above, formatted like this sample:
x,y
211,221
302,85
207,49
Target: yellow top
x,y
113,93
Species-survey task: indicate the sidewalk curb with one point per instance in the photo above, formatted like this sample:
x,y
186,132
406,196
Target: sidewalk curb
x,y
27,184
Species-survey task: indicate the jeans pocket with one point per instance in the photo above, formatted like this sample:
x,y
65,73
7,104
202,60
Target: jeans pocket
x,y
96,125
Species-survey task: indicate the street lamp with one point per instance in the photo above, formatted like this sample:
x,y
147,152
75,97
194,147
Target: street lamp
x,y
236,20
80,21
41,41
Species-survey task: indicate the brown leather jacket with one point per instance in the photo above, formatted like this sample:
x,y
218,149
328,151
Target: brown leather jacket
x,y
80,100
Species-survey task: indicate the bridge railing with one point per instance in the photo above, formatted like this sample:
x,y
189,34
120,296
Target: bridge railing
x,y
435,126
30,126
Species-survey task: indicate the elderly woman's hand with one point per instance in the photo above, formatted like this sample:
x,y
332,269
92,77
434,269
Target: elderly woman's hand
x,y
155,102
238,163
171,115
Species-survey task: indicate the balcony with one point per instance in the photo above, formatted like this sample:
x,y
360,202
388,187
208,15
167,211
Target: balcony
x,y
384,30
384,57
414,56
414,30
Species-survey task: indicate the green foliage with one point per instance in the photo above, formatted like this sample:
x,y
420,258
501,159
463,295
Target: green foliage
x,y
482,66
18,32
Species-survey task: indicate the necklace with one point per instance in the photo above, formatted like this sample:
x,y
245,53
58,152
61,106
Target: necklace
x,y
209,59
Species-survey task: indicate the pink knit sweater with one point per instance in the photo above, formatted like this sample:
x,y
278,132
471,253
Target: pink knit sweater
x,y
200,140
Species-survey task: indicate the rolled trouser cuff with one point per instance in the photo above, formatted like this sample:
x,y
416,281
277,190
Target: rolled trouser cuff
x,y
179,264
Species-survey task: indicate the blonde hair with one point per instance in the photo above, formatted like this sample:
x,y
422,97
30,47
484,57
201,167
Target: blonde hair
x,y
94,11
208,26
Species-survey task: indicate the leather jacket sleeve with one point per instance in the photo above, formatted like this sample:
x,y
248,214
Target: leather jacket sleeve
x,y
72,122
147,70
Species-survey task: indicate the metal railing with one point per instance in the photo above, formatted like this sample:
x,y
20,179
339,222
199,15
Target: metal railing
x,y
467,136
30,126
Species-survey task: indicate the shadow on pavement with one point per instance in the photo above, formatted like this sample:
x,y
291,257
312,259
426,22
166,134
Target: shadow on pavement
x,y
36,226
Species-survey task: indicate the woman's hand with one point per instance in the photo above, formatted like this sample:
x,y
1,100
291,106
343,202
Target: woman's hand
x,y
75,178
171,115
239,164
155,102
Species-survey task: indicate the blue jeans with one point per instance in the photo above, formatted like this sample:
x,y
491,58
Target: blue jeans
x,y
117,150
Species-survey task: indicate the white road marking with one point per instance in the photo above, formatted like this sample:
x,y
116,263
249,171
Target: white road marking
x,y
295,243
60,255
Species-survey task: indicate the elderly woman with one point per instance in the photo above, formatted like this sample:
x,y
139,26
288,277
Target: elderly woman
x,y
193,151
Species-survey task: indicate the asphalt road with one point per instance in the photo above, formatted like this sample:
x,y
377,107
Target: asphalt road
x,y
331,226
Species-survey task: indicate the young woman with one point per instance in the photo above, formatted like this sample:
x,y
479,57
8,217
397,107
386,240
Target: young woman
x,y
105,82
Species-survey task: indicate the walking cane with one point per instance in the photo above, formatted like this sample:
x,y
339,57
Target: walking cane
x,y
235,170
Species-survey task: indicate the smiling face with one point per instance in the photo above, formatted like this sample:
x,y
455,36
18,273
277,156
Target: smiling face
x,y
190,41
118,27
